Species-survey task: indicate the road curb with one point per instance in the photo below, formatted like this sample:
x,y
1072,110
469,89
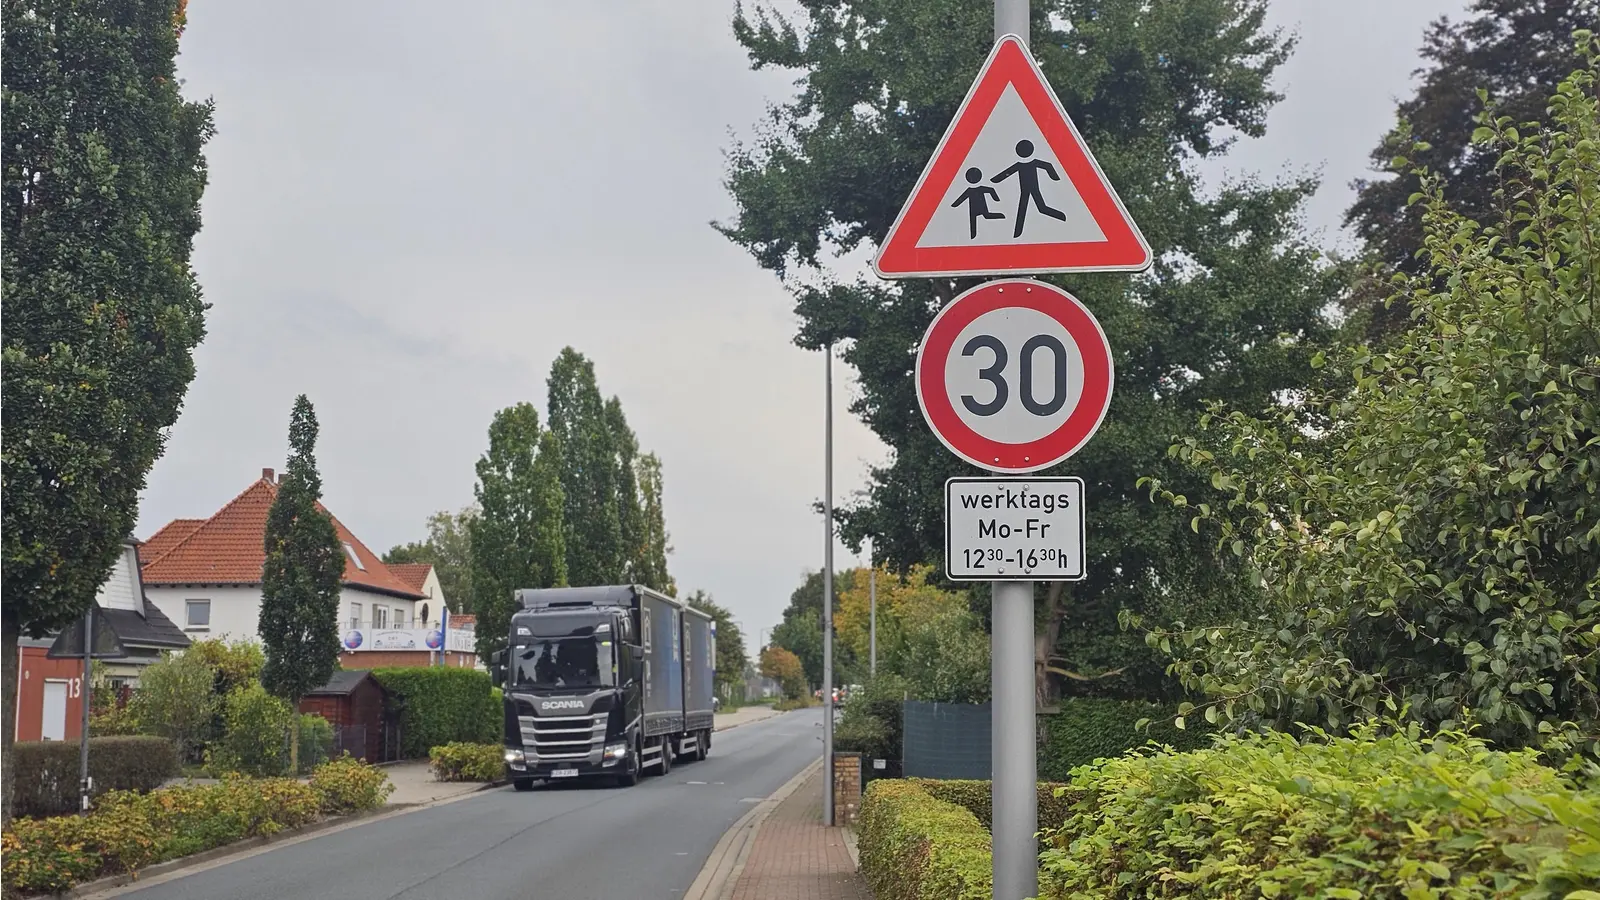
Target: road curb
x,y
752,721
721,871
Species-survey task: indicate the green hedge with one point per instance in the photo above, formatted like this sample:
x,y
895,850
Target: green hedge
x,y
1087,729
974,797
1364,817
47,771
442,705
914,847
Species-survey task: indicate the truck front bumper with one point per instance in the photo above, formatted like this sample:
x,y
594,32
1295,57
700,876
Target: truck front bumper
x,y
520,764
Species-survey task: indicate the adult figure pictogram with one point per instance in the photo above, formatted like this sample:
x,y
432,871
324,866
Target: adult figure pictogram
x,y
977,199
1027,172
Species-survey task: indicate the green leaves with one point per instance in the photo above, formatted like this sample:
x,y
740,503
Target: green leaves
x,y
302,574
1427,529
518,539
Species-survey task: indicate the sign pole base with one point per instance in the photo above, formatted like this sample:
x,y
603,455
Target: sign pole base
x,y
1014,742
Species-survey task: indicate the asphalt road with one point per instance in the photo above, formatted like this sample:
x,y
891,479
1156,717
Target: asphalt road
x,y
557,842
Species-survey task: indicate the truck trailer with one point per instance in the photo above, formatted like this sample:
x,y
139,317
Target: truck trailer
x,y
604,683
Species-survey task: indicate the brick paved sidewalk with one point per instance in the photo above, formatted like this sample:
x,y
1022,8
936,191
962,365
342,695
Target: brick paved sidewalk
x,y
796,857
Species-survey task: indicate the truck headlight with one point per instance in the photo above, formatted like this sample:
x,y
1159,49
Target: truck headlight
x,y
616,751
514,756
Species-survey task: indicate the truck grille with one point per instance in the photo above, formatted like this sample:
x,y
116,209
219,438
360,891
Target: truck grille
x,y
563,737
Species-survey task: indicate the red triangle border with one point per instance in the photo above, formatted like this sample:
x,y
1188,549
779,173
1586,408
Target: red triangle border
x,y
1124,247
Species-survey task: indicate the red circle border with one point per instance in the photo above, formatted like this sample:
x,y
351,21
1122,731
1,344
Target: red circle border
x,y
1081,424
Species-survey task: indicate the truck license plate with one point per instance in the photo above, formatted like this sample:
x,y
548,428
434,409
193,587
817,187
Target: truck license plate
x,y
564,773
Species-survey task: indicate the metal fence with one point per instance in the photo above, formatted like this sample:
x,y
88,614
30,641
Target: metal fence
x,y
946,740
351,739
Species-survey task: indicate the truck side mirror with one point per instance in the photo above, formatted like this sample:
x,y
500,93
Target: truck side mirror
x,y
497,675
638,653
497,658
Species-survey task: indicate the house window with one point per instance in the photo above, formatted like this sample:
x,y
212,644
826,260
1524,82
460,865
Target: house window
x,y
399,617
355,616
351,552
197,615
380,617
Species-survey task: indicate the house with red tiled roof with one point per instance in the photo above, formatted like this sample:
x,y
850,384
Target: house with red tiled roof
x,y
205,574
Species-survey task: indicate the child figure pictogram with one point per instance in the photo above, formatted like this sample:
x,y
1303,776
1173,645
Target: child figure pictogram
x,y
1027,172
977,199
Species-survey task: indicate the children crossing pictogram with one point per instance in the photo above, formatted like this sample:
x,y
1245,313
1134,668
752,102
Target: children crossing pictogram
x,y
1011,188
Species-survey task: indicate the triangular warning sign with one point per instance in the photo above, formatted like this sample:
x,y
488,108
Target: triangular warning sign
x,y
1011,189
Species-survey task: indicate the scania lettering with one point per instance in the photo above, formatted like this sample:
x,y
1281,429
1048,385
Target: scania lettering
x,y
604,682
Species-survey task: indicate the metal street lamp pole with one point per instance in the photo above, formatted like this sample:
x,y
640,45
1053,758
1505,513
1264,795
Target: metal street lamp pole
x,y
827,597
872,615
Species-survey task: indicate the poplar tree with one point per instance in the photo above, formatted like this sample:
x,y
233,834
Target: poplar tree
x,y
518,537
305,564
593,524
101,202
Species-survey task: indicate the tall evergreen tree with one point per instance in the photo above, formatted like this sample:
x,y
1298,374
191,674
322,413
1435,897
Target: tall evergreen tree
x,y
101,201
593,522
657,542
1231,309
630,513
518,540
1514,51
299,620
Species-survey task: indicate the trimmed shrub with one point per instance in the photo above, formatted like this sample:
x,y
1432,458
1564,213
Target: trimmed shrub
x,y
1267,815
316,741
873,721
1091,728
497,722
129,831
47,771
1055,799
442,705
914,847
256,741
467,762
347,785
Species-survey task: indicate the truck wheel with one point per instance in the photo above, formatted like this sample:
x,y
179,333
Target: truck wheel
x,y
666,755
705,745
522,784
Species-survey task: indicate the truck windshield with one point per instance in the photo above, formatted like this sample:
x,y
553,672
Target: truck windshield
x,y
575,662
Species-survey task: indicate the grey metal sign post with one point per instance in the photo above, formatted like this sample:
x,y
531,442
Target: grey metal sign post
x,y
1015,375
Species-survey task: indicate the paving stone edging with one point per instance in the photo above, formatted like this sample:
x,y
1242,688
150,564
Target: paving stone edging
x,y
721,871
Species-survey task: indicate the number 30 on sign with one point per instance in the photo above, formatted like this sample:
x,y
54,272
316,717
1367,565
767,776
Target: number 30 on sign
x,y
1014,376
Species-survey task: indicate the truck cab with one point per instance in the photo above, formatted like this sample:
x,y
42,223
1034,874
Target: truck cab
x,y
593,685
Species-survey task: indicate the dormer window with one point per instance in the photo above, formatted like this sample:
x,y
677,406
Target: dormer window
x,y
351,552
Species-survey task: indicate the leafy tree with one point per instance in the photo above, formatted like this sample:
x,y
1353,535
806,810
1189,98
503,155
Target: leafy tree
x,y
1431,546
593,524
731,657
1515,51
177,700
299,620
253,742
784,667
1231,310
800,632
233,665
926,634
448,548
630,511
657,543
103,177
517,540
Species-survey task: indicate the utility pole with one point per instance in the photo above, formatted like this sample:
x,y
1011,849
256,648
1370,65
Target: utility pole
x,y
827,596
86,695
872,615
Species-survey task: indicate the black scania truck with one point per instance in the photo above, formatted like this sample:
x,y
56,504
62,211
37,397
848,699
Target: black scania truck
x,y
604,682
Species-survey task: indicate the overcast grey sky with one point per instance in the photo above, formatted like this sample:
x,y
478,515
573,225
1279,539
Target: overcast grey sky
x,y
413,208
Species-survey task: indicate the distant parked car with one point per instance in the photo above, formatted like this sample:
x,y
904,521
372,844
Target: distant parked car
x,y
716,703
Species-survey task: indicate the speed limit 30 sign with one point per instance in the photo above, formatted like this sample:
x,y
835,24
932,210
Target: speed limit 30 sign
x,y
1014,376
